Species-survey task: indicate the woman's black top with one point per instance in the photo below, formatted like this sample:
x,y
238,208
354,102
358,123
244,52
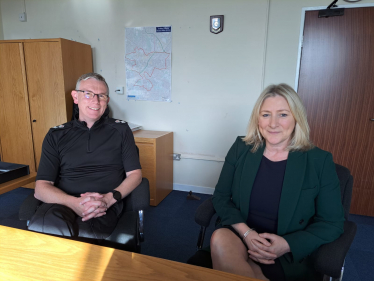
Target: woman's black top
x,y
265,196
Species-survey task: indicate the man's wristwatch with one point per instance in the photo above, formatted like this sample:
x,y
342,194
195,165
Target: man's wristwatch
x,y
116,195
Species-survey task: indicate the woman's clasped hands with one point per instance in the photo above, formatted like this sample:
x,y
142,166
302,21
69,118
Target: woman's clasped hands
x,y
265,247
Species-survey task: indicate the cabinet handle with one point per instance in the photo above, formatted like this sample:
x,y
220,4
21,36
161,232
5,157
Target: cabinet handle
x,y
34,120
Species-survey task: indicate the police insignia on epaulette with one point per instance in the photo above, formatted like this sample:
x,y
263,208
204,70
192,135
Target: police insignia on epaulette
x,y
120,121
59,126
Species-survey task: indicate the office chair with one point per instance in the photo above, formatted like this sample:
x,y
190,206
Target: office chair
x,y
328,259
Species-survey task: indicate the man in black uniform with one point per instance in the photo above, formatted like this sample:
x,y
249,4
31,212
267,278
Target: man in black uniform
x,y
87,166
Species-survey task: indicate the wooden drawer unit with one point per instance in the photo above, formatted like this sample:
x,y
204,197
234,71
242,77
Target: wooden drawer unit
x,y
156,158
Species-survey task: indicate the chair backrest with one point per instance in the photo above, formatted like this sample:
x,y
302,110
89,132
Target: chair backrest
x,y
138,199
346,185
75,111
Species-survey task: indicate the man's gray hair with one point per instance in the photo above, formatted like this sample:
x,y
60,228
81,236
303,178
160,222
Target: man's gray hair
x,y
92,75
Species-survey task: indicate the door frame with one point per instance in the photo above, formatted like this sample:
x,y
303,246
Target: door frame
x,y
301,35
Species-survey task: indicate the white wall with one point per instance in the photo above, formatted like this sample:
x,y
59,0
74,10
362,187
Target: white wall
x,y
1,26
215,78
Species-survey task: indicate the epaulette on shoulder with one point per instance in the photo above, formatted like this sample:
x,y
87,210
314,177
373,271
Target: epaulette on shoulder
x,y
62,126
118,121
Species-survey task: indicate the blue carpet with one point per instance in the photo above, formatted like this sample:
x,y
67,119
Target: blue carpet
x,y
360,258
10,203
171,232
170,229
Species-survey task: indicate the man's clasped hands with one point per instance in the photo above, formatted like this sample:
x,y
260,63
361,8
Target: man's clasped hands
x,y
92,205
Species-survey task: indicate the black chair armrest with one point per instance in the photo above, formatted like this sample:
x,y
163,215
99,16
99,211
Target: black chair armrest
x,y
139,198
138,201
124,236
329,258
28,207
141,225
205,212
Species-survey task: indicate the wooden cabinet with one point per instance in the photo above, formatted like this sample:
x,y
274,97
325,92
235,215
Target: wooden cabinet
x,y
156,158
36,80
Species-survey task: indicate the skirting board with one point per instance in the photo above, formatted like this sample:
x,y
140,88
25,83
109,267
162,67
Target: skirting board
x,y
193,188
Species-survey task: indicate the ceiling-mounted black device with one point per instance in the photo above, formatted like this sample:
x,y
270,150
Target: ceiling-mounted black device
x,y
331,12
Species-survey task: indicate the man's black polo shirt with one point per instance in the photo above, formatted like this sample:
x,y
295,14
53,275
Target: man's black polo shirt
x,y
78,159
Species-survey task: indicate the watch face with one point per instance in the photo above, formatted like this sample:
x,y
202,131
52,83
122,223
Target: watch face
x,y
117,195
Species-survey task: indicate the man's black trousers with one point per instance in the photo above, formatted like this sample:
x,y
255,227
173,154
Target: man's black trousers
x,y
60,220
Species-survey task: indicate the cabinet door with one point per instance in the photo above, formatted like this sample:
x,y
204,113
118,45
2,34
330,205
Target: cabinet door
x,y
15,128
1,154
46,89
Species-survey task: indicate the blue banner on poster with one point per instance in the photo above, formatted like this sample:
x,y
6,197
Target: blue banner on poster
x,y
163,29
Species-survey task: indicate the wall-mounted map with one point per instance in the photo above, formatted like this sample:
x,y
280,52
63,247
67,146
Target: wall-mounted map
x,y
148,63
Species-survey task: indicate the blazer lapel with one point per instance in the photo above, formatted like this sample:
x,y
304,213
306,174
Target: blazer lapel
x,y
292,183
251,164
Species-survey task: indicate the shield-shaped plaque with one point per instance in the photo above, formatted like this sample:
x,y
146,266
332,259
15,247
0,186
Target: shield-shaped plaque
x,y
216,24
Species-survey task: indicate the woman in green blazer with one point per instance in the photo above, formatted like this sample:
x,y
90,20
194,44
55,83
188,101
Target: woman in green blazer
x,y
275,167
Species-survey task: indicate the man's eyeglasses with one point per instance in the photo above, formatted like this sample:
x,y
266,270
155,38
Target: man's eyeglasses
x,y
90,95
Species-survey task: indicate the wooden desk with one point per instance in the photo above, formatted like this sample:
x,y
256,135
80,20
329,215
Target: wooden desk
x,y
26,255
10,185
156,158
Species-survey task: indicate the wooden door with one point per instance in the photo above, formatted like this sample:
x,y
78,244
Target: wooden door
x,y
336,84
46,89
15,127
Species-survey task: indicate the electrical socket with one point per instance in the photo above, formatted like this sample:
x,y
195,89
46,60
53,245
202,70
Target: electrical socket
x,y
22,17
176,156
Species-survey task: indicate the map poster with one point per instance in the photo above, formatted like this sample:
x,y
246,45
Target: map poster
x,y
148,63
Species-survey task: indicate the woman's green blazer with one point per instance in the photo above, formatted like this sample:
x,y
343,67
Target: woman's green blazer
x,y
310,210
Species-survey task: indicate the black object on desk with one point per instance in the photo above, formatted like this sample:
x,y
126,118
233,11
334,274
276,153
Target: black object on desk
x,y
12,171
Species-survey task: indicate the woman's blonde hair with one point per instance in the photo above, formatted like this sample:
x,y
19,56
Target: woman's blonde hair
x,y
300,136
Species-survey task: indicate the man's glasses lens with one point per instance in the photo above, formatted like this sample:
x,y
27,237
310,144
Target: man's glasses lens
x,y
90,95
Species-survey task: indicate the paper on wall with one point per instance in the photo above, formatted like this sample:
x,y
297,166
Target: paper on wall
x,y
148,63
